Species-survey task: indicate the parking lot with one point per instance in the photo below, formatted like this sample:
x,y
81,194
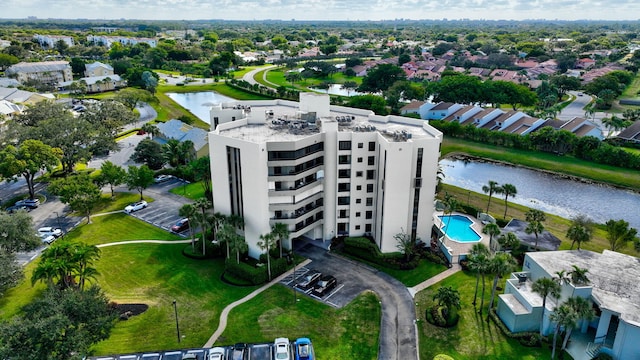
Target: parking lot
x,y
163,211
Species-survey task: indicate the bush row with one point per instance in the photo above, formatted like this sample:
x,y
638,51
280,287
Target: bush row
x,y
365,249
255,275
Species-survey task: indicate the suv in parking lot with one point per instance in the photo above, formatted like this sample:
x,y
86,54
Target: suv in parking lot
x,y
309,280
135,206
162,178
326,284
239,351
48,230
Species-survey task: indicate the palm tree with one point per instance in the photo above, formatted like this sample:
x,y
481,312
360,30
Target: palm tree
x,y
450,205
619,233
535,226
478,261
280,231
500,264
578,276
448,297
491,188
237,244
545,287
580,231
202,205
46,271
582,307
293,76
188,211
172,152
509,241
187,152
491,230
562,277
266,244
349,86
84,256
150,129
508,190
563,316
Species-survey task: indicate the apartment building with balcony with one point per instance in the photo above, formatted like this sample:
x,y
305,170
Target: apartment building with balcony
x,y
323,170
46,72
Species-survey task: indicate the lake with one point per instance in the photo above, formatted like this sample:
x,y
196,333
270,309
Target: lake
x,y
551,193
199,103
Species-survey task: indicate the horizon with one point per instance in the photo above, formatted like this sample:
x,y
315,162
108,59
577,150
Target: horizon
x,y
317,10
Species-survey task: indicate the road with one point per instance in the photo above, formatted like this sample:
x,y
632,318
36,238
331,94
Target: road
x,y
249,77
576,109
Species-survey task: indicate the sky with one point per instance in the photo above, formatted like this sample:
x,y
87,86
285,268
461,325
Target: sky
x,y
324,9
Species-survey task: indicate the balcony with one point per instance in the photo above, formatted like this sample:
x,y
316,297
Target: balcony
x,y
292,188
300,212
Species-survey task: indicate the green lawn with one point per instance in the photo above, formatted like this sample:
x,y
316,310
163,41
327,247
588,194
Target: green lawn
x,y
119,202
348,333
193,191
156,275
473,337
277,76
425,270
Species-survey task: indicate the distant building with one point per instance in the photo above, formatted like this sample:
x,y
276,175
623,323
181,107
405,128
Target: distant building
x,y
48,72
98,69
178,130
49,41
96,84
109,40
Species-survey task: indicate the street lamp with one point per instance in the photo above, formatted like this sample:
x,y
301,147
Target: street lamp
x,y
175,309
58,221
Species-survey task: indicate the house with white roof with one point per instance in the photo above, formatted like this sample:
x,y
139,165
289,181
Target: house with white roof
x,y
178,130
612,289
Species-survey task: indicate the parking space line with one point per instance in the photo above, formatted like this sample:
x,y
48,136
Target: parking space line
x,y
334,291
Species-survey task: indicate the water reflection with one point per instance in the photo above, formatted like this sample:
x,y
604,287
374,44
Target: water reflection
x,y
336,89
199,103
547,192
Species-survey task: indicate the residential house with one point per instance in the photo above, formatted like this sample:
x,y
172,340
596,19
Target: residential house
x,y
439,111
612,289
632,133
98,69
8,110
109,40
47,72
8,82
49,41
412,108
582,127
323,170
21,96
176,129
96,84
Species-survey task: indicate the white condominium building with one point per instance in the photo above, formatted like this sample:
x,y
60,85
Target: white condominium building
x,y
323,170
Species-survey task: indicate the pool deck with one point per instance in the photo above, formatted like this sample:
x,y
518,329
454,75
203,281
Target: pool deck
x,y
457,248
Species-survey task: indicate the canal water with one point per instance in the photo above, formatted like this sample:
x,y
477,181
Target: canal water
x,y
199,103
551,193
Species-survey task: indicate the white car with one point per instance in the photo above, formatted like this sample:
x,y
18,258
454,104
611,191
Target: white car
x,y
281,346
49,230
135,206
162,178
47,239
216,353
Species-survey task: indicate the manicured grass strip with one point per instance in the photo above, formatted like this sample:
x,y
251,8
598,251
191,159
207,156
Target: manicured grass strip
x,y
168,109
12,301
193,191
546,161
156,275
473,337
118,227
348,333
119,202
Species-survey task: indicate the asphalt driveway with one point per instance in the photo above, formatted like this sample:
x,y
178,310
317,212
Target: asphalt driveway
x,y
398,335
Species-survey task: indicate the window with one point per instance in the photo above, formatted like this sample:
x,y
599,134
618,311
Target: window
x,y
358,173
360,145
367,228
343,200
342,228
344,159
358,201
344,173
343,214
359,159
359,187
358,214
344,187
369,188
372,146
371,160
344,145
371,174
369,201
369,215
417,183
357,227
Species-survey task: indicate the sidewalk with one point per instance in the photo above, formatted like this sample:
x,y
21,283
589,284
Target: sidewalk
x,y
225,313
425,284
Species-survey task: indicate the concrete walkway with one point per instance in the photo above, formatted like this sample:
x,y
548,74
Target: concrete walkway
x,y
225,313
443,275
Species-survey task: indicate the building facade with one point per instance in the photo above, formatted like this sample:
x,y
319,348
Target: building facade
x,y
47,72
323,170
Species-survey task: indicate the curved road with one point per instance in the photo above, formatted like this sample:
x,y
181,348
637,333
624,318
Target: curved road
x,y
249,77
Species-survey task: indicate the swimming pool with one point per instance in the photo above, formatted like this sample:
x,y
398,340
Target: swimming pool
x,y
458,228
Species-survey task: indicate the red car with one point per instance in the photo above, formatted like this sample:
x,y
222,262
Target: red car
x,y
180,226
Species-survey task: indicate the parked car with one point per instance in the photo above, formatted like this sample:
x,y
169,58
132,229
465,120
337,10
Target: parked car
x,y
49,230
281,348
239,351
181,225
309,280
31,204
135,206
15,208
304,349
326,284
217,353
162,178
47,238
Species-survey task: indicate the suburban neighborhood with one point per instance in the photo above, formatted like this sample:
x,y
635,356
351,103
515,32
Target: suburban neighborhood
x,y
220,189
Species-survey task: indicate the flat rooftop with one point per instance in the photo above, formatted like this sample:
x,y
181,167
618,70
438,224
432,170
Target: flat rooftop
x,y
287,123
613,276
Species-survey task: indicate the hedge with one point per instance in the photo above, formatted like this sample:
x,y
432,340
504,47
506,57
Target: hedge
x,y
365,249
255,275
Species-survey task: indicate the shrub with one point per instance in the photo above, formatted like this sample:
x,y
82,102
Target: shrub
x,y
469,209
255,274
365,249
435,316
443,357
